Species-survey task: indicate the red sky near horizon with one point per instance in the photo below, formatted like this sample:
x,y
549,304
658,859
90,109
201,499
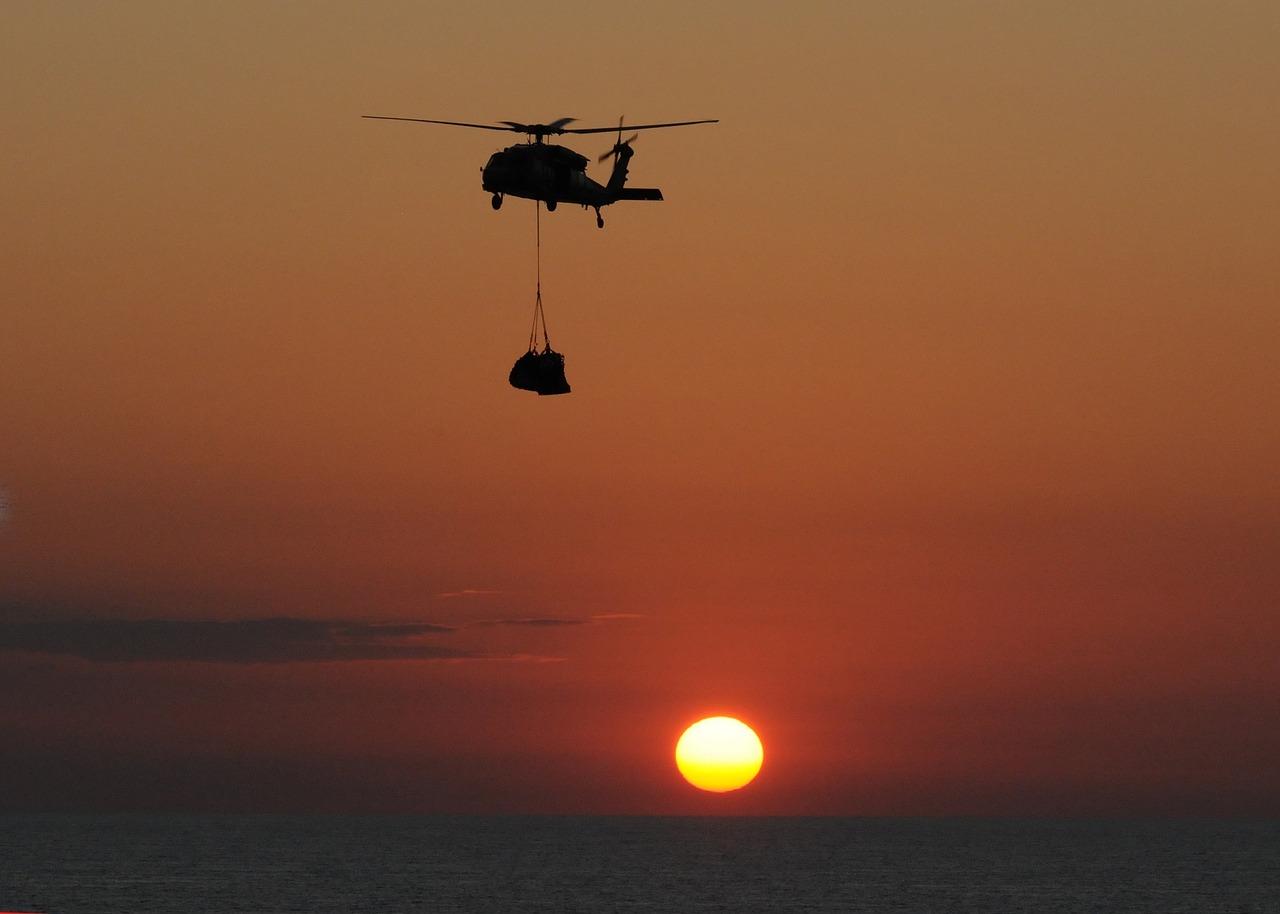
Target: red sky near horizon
x,y
928,425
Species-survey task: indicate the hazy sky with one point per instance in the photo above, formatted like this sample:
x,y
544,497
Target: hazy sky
x,y
929,425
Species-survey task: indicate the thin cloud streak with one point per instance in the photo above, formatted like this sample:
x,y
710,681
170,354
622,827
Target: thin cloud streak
x,y
549,621
529,623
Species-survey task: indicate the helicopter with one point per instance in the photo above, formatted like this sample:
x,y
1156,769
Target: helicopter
x,y
536,170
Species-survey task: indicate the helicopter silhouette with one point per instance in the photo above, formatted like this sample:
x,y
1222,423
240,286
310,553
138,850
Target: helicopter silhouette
x,y
553,174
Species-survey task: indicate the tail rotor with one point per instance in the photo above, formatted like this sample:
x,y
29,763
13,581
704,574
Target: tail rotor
x,y
619,144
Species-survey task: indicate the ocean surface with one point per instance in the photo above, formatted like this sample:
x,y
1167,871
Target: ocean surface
x,y
195,864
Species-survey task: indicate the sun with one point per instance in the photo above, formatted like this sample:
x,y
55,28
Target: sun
x,y
719,754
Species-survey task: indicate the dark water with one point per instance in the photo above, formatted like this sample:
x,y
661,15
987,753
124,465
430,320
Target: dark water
x,y
63,864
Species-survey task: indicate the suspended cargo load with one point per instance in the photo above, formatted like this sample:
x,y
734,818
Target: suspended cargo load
x,y
540,372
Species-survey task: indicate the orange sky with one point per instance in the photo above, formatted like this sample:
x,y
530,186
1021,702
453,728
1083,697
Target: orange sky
x,y
928,425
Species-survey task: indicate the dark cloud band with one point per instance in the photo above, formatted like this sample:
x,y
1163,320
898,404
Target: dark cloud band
x,y
278,640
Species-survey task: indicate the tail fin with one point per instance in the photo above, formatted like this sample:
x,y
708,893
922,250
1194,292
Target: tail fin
x,y
622,153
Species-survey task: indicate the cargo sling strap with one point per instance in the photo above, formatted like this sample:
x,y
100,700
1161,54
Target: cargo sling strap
x,y
539,316
541,372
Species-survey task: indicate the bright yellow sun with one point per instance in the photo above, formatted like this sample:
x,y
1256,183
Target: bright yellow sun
x,y
719,754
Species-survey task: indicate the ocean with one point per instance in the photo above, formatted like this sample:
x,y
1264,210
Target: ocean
x,y
64,864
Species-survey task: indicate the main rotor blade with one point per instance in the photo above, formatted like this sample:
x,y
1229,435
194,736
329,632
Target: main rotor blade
x,y
556,126
423,120
635,127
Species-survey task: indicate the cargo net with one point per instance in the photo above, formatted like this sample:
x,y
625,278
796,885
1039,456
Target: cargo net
x,y
539,370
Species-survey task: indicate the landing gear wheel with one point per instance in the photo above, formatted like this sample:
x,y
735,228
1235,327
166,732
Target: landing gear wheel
x,y
496,202
551,206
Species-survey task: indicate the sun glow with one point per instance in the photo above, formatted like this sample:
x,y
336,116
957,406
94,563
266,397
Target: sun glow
x,y
719,754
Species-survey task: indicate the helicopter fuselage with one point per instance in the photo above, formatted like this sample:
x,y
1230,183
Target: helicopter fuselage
x,y
542,172
556,174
